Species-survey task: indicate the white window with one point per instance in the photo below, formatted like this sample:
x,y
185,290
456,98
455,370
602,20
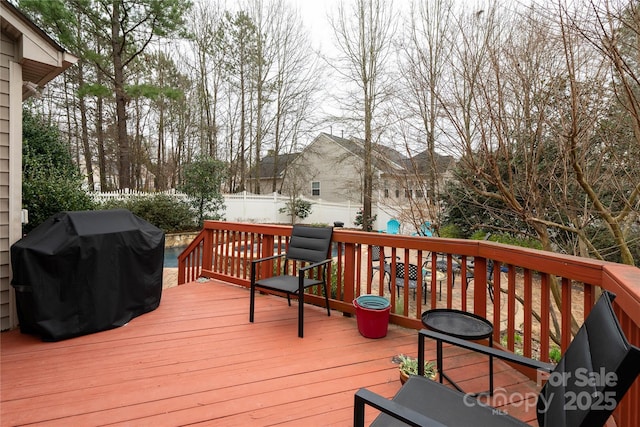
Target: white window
x,y
315,188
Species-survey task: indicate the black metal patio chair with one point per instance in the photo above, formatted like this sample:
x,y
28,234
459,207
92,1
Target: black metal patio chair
x,y
593,375
490,273
376,254
309,252
456,269
411,271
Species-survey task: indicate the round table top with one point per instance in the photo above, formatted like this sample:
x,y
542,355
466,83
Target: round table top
x,y
439,275
457,323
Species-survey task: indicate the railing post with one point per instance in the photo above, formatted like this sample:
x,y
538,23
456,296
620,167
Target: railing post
x,y
268,245
207,255
349,272
480,286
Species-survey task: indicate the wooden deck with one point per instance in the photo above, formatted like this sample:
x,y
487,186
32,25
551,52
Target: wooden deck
x,y
197,360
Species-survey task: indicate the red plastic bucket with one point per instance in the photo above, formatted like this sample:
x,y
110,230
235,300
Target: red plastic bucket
x,y
372,313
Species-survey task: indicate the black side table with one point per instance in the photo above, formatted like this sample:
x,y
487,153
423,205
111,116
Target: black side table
x,y
459,324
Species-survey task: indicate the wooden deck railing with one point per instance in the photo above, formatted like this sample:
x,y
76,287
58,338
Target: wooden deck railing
x,y
536,300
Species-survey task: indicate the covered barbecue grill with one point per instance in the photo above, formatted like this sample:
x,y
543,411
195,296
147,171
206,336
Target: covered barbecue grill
x,y
84,272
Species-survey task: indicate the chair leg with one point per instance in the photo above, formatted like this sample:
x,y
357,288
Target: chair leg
x,y
301,315
252,299
326,298
358,411
289,298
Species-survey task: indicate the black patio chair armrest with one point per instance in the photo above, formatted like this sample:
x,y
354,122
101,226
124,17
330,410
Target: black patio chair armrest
x,y
490,351
406,415
314,265
255,262
259,260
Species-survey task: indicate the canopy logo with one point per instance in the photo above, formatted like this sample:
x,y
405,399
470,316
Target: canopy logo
x,y
565,386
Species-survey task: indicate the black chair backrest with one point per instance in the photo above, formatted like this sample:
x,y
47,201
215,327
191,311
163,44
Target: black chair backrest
x,y
400,271
309,244
593,375
375,253
490,267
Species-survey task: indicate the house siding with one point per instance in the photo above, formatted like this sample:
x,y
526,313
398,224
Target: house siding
x,y
7,68
337,171
26,54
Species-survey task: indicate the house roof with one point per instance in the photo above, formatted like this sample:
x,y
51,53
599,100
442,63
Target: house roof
x,y
41,57
421,162
268,168
384,157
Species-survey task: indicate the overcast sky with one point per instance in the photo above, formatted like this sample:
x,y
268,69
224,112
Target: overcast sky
x,y
314,15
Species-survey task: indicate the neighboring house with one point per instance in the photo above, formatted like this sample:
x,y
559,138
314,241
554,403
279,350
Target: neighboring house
x,y
273,168
29,59
418,170
331,169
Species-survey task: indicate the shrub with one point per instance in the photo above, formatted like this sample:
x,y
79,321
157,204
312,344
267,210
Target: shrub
x,y
507,239
202,181
359,221
450,231
50,181
297,208
165,212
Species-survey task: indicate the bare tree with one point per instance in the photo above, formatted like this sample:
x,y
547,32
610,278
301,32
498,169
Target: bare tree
x,y
424,56
295,83
546,126
601,128
206,65
365,45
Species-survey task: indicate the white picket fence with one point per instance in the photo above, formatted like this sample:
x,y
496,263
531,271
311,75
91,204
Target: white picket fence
x,y
262,208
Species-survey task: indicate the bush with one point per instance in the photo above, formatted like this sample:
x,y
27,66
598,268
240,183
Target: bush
x,y
359,221
50,181
508,239
202,181
451,231
165,212
48,194
297,208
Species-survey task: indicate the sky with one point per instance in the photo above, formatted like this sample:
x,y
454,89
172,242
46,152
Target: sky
x,y
315,15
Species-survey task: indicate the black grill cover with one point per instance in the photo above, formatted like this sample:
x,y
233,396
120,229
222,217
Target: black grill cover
x,y
84,272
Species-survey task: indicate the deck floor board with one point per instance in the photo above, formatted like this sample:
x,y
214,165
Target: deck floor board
x,y
196,360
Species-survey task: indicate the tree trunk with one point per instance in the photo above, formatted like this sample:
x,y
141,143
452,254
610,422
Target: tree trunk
x,y
82,106
124,155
